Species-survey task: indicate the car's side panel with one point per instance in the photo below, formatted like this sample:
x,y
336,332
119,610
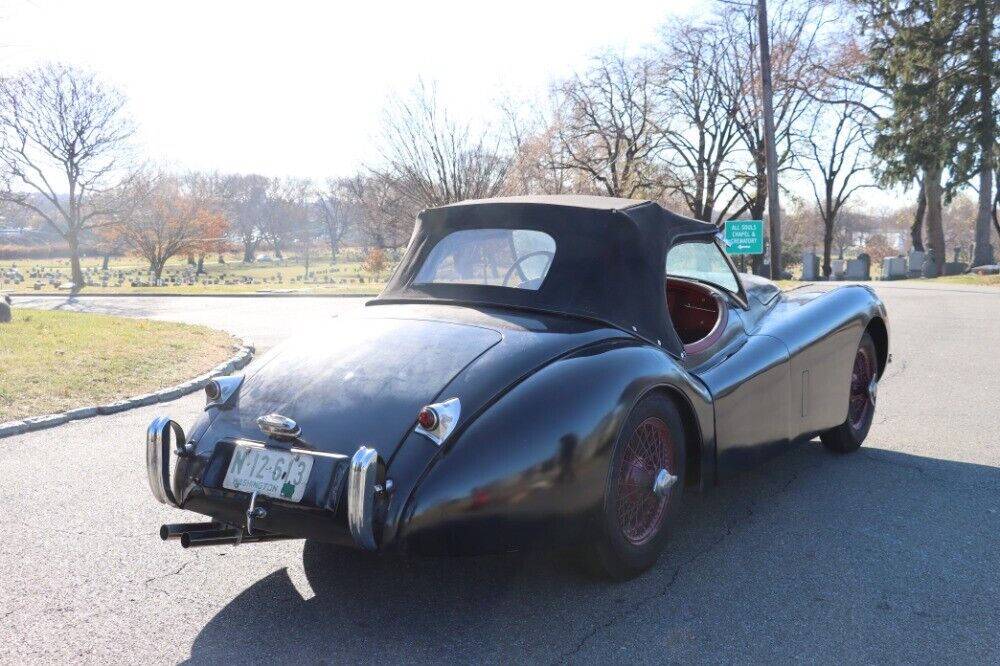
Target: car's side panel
x,y
792,377
751,389
821,330
531,470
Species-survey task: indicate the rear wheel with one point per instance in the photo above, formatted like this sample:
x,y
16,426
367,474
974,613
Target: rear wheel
x,y
644,487
849,435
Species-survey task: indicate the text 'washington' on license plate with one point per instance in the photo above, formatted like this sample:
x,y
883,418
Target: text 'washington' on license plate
x,y
278,474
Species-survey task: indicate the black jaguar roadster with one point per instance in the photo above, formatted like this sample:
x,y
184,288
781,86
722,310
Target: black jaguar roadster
x,y
539,372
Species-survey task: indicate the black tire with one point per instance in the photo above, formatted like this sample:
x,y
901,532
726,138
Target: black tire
x,y
629,544
850,434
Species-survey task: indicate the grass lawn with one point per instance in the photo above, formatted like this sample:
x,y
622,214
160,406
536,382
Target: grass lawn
x,y
54,361
979,280
345,276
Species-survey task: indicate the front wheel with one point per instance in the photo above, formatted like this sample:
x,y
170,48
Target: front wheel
x,y
644,487
850,434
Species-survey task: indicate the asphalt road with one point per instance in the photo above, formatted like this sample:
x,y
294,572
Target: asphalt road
x,y
888,555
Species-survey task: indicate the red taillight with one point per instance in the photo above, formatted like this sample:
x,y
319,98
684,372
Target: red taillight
x,y
428,419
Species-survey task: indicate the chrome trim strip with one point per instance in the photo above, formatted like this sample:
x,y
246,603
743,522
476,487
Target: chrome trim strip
x,y
361,497
158,457
295,449
448,413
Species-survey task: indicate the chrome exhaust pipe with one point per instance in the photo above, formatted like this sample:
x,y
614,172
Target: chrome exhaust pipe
x,y
226,537
175,530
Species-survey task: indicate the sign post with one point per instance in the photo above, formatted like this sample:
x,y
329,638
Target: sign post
x,y
744,236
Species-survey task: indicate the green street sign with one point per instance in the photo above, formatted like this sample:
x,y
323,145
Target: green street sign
x,y
745,237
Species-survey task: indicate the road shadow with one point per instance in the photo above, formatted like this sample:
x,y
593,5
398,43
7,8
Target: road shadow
x,y
828,545
122,307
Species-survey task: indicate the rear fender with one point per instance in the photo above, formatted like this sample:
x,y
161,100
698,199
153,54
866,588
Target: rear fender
x,y
531,469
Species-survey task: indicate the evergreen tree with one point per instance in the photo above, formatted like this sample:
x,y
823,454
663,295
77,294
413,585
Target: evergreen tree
x,y
977,43
915,58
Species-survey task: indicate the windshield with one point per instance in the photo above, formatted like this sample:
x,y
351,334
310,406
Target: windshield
x,y
517,258
704,262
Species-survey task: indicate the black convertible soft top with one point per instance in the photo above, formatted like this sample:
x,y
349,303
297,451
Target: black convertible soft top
x,y
608,266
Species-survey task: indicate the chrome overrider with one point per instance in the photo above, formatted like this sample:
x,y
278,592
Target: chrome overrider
x,y
158,436
365,483
362,480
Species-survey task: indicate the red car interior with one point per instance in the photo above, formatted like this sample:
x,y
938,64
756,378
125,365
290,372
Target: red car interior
x,y
698,314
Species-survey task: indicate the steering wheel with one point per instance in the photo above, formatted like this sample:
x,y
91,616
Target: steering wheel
x,y
520,260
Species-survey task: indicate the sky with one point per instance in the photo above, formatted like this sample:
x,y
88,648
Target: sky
x,y
291,88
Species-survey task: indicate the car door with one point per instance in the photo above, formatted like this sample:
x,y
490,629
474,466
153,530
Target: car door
x,y
747,373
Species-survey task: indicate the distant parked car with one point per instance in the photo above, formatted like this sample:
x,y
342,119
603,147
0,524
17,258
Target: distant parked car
x,y
539,371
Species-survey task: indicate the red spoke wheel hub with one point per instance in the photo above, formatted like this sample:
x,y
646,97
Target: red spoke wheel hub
x,y
861,379
640,510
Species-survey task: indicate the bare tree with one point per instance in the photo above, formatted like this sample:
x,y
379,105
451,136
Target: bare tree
x,y
432,160
337,213
702,135
795,30
385,218
610,126
63,136
834,157
244,197
284,210
537,155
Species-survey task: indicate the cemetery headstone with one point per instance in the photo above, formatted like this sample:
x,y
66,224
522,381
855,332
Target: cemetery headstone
x,y
810,267
893,268
955,267
929,269
855,270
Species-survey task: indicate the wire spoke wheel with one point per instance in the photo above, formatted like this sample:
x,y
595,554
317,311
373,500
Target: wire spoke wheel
x,y
640,510
861,377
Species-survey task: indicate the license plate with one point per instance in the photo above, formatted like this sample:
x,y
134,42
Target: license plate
x,y
278,474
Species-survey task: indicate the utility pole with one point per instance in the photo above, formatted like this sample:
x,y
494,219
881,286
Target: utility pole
x,y
773,205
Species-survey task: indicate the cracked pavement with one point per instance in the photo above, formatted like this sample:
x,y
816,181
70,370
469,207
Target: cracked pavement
x,y
887,555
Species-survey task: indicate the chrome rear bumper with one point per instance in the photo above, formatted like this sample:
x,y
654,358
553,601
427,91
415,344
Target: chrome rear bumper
x,y
366,482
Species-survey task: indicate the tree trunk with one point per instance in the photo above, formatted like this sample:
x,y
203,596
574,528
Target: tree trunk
x,y
984,249
334,246
827,248
74,261
201,265
157,268
917,229
104,262
308,243
249,252
190,259
984,66
935,228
